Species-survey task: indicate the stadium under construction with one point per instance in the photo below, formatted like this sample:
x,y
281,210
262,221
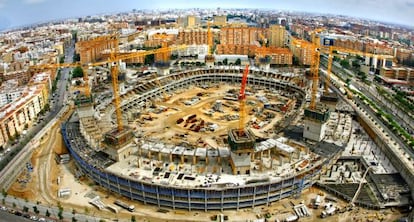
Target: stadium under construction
x,y
236,170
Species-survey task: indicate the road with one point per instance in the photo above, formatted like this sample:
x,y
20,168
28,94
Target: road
x,y
56,105
401,117
54,211
8,217
362,88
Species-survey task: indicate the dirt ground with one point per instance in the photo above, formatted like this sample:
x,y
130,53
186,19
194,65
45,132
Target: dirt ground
x,y
83,189
160,121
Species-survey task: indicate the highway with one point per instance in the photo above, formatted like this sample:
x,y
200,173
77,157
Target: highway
x,y
379,103
401,117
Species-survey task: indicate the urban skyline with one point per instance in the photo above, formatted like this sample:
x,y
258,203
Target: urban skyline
x,y
27,12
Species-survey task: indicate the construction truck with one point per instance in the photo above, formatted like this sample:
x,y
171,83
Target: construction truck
x,y
328,212
317,202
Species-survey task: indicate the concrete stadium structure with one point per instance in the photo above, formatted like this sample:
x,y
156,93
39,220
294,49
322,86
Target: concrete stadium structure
x,y
253,190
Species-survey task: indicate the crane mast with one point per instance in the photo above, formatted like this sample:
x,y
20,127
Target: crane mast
x,y
115,88
315,75
242,101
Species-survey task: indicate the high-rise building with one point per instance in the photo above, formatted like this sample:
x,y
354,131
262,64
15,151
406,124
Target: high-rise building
x,y
277,36
239,40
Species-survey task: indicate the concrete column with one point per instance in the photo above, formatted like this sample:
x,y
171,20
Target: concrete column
x,y
182,159
206,159
268,153
219,160
194,160
149,154
159,156
281,160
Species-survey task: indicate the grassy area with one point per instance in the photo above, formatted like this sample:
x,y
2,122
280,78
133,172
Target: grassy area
x,y
389,120
397,100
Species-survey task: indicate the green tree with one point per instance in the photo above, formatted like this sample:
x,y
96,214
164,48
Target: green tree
x,y
77,72
35,210
149,59
74,219
133,218
25,209
4,192
238,62
60,215
225,61
344,63
62,59
76,57
47,214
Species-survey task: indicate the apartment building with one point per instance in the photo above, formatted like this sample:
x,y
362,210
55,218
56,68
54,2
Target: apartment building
x,y
304,55
280,56
9,92
192,37
220,20
398,73
19,115
239,40
277,36
21,76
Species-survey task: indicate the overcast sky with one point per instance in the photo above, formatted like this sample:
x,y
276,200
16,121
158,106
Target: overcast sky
x,y
22,12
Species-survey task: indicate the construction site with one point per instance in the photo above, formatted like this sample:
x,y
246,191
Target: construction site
x,y
248,142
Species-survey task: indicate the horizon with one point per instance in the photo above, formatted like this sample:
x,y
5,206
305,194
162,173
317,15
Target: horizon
x,y
26,13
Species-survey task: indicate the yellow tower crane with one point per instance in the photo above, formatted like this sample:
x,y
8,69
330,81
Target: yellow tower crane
x,y
114,60
331,50
313,52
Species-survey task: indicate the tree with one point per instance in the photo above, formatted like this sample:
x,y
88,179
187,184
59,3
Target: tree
x,y
25,209
74,219
344,63
35,210
225,61
133,218
47,214
77,72
60,215
356,65
238,62
76,57
62,59
4,192
149,59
